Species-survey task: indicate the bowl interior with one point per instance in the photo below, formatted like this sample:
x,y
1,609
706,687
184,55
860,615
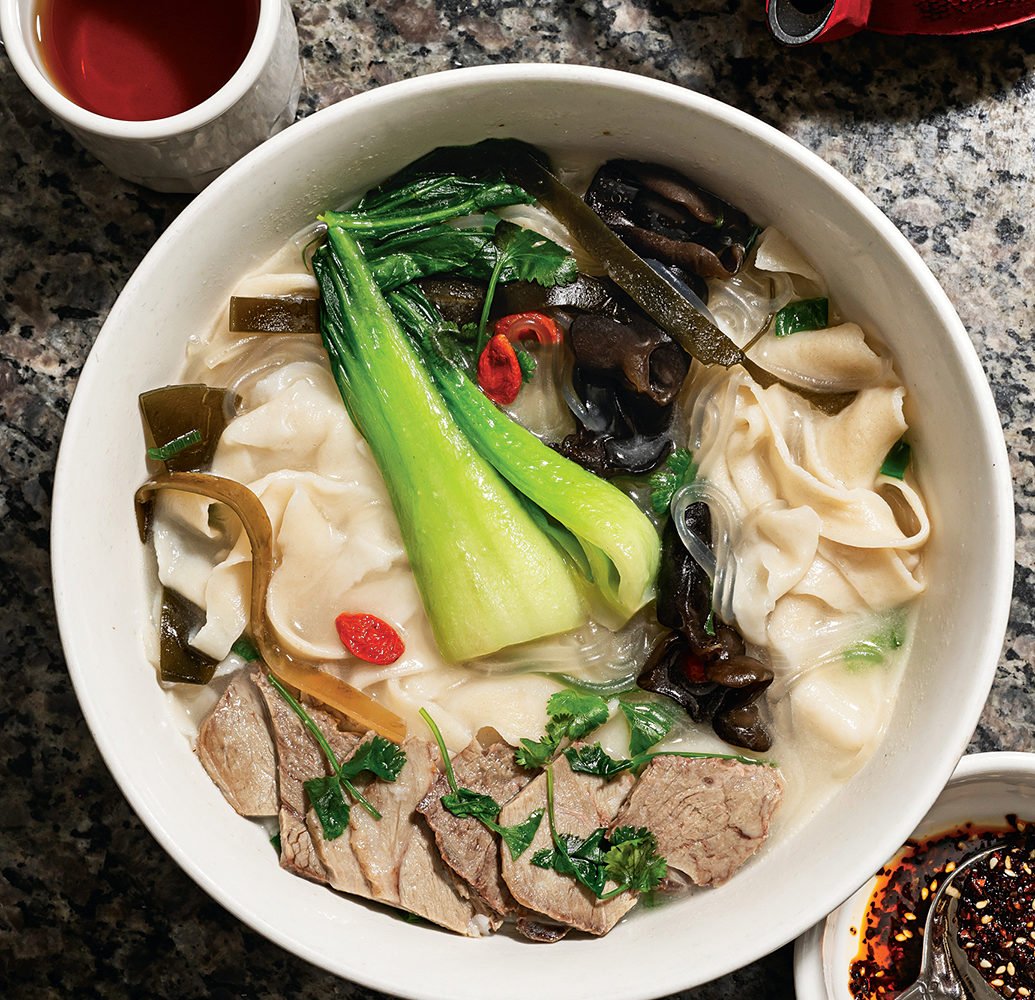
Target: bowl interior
x,y
101,570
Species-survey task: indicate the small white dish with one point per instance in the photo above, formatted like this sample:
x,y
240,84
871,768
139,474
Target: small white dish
x,y
984,789
183,152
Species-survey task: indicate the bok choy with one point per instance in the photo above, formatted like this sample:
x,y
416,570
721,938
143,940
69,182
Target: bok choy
x,y
488,576
606,534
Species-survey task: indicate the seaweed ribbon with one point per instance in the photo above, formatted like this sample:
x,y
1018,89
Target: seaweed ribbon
x,y
256,523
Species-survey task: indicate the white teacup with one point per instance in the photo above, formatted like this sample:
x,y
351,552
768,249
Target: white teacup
x,y
184,151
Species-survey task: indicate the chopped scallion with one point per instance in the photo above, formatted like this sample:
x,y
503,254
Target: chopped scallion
x,y
245,650
166,451
897,460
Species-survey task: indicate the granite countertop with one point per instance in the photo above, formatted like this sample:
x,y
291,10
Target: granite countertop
x,y
940,134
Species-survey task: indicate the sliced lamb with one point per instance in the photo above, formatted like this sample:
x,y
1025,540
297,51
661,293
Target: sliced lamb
x,y
470,849
339,861
709,815
236,749
582,803
397,856
299,758
542,931
430,890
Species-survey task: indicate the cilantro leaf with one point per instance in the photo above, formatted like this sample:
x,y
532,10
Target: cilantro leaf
x,y
379,756
528,365
579,858
328,801
525,255
594,760
649,723
466,802
575,713
519,836
805,314
679,470
534,754
633,862
571,714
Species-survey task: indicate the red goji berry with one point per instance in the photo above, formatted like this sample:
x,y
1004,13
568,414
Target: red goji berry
x,y
369,638
499,372
528,326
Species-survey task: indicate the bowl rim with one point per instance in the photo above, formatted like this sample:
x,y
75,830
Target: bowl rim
x,y
1000,483
809,970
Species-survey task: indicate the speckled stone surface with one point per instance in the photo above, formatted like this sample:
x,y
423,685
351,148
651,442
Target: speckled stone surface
x,y
939,133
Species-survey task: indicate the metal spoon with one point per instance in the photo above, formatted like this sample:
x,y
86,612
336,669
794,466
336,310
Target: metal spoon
x,y
945,971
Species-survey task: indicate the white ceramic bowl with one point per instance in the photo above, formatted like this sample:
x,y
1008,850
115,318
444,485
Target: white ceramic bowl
x,y
100,566
984,789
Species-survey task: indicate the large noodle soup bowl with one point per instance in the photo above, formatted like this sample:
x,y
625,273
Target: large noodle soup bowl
x,y
104,577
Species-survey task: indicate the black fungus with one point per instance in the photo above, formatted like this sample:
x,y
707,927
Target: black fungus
x,y
705,670
663,215
627,374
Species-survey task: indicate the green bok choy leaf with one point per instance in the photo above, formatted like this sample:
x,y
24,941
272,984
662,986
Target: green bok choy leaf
x,y
488,576
604,532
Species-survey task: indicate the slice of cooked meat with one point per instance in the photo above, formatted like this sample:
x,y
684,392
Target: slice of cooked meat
x,y
578,799
709,815
299,758
380,844
539,930
235,747
396,853
339,862
429,889
470,849
608,795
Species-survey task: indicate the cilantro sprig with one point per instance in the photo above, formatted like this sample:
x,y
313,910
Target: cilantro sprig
x,y
571,714
378,756
595,760
627,857
465,802
524,255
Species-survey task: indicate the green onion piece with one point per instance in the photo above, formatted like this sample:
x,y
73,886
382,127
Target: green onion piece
x,y
897,460
245,650
805,314
166,451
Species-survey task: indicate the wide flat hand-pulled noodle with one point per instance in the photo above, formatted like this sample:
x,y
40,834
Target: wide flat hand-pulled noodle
x,y
825,544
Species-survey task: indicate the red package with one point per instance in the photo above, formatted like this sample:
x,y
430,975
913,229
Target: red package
x,y
798,21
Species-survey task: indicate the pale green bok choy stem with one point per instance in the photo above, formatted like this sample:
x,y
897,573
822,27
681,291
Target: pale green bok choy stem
x,y
487,575
619,545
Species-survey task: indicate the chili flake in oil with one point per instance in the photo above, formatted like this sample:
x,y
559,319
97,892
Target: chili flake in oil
x,y
891,934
